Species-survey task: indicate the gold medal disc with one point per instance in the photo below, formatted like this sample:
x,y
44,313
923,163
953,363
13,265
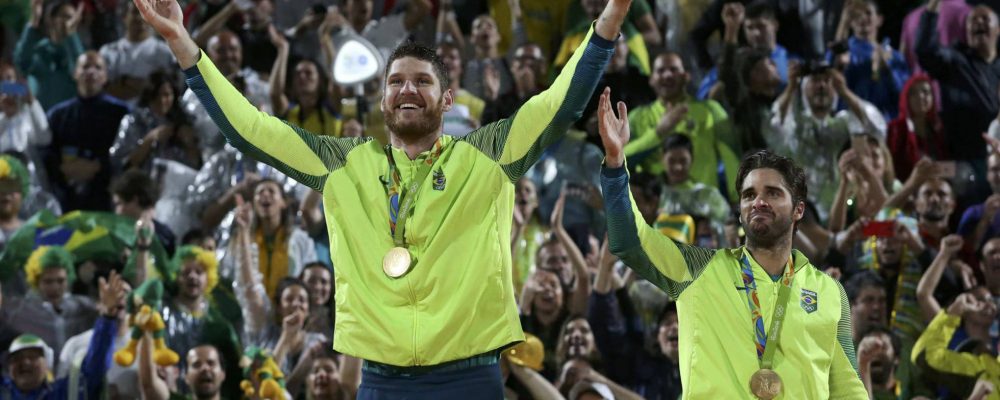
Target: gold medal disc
x,y
765,384
396,262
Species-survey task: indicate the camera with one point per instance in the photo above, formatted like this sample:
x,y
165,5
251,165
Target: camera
x,y
813,67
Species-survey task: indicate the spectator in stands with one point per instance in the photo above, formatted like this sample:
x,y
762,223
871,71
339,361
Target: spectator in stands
x,y
981,221
807,127
467,110
865,185
36,198
253,29
935,202
83,129
878,358
528,67
205,373
950,27
682,194
226,50
332,377
946,258
271,324
386,32
965,324
917,131
121,382
528,231
750,83
134,195
31,359
873,70
760,28
48,49
306,103
675,112
633,88
198,237
158,128
14,188
278,248
867,294
487,60
318,277
49,311
133,58
626,360
22,119
544,310
969,74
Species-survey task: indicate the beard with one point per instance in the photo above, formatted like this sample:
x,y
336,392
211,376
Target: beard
x,y
767,235
427,123
934,214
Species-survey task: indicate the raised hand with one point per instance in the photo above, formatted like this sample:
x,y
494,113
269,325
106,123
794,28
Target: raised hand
x,y
74,20
112,294
610,22
165,16
244,214
732,15
614,130
276,37
951,245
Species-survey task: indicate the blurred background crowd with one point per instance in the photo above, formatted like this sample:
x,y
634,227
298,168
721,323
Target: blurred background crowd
x,y
892,108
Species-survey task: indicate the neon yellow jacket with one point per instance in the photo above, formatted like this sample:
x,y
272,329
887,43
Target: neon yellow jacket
x,y
457,300
815,355
933,348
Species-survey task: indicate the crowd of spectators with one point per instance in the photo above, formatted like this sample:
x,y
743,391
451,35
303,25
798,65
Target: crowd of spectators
x,y
891,107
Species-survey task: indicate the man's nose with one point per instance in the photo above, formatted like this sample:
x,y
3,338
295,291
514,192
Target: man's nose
x,y
409,87
760,203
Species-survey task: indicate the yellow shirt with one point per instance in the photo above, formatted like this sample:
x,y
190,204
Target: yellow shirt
x,y
321,123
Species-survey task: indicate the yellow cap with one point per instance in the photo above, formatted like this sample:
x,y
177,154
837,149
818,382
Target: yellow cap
x,y
528,353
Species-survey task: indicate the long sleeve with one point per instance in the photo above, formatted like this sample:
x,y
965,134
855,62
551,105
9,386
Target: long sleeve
x,y
517,142
933,348
41,135
655,257
303,156
710,22
932,57
611,335
845,382
98,360
24,51
644,141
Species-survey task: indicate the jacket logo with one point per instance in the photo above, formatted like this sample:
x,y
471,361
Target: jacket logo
x,y
439,179
809,301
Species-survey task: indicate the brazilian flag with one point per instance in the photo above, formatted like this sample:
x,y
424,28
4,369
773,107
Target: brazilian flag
x,y
95,236
679,227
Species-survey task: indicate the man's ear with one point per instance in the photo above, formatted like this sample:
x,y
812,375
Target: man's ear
x,y
800,210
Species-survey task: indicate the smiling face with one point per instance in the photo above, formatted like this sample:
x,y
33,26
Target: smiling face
x,y
268,200
323,381
550,296
767,210
669,77
318,279
414,102
678,165
578,340
306,79
984,309
294,298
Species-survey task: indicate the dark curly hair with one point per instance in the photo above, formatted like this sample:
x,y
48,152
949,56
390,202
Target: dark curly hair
x,y
793,177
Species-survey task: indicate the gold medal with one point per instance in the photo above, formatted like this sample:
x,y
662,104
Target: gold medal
x,y
765,384
396,262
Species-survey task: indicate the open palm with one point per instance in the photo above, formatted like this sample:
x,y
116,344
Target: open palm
x,y
614,130
164,16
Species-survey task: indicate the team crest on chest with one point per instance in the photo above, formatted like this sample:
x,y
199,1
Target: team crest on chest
x,y
809,301
439,180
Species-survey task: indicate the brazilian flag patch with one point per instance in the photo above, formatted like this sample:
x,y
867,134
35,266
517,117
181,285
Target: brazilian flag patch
x,y
809,301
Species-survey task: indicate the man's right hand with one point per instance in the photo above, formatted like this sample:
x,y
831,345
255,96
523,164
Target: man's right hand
x,y
609,24
166,17
614,130
951,245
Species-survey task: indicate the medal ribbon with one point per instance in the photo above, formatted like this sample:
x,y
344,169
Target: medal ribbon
x,y
765,343
401,198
